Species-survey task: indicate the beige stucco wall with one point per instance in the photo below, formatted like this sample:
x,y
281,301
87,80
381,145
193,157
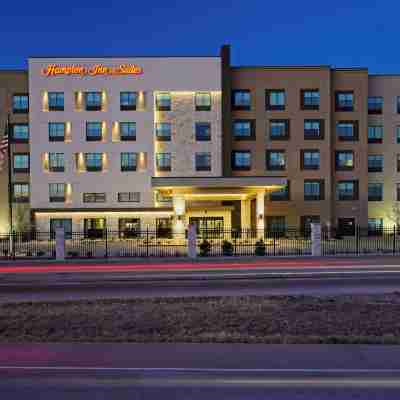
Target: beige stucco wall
x,y
388,87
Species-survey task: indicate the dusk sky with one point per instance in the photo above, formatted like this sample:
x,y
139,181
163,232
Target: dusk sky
x,y
342,33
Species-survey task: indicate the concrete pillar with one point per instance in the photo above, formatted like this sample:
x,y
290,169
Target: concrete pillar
x,y
179,205
260,212
245,214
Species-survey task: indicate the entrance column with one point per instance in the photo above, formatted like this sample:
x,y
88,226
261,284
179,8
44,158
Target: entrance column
x,y
179,205
245,215
260,211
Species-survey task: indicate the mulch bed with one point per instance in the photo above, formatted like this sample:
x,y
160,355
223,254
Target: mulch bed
x,y
247,319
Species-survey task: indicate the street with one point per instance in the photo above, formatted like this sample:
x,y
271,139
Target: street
x,y
170,371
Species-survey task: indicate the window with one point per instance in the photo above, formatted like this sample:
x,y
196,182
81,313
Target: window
x,y
128,101
63,223
375,191
398,104
21,162
275,100
93,101
375,162
127,131
375,226
275,160
20,133
347,190
276,224
306,221
94,131
128,162
281,194
244,129
203,161
94,197
375,105
94,162
398,162
344,101
163,131
94,228
163,101
163,198
21,193
241,160
279,129
310,99
314,189
203,131
20,103
163,227
56,162
129,197
241,99
398,134
310,159
203,101
56,131
344,160
397,191
56,101
347,131
313,129
129,227
163,161
57,192
375,134
346,226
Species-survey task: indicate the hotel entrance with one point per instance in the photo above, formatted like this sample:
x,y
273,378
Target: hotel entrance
x,y
208,227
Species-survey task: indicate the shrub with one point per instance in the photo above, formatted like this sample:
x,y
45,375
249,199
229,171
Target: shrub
x,y
205,247
260,248
227,248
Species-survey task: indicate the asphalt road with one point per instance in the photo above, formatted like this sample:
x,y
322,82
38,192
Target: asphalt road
x,y
130,371
326,281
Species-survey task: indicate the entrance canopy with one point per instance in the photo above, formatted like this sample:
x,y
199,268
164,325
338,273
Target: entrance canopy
x,y
217,188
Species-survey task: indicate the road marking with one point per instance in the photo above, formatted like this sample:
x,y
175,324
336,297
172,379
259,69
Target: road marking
x,y
211,370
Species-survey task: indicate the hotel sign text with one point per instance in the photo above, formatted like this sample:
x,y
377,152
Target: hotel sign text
x,y
94,70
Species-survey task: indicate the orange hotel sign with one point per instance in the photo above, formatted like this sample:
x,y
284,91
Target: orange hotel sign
x,y
94,70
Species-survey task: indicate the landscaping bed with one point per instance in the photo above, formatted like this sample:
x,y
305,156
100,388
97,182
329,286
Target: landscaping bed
x,y
247,319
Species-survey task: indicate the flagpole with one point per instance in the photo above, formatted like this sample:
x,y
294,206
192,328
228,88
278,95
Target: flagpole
x,y
10,207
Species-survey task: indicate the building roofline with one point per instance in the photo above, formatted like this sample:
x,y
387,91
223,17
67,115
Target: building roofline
x,y
11,70
118,56
284,67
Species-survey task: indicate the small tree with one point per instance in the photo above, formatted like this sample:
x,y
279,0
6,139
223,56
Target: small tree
x,y
394,214
21,218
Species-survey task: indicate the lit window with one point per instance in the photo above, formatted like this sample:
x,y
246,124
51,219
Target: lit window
x,y
163,161
347,190
275,99
57,192
128,161
344,160
347,130
94,131
310,99
21,162
344,101
21,192
279,129
163,101
375,191
94,197
375,105
56,162
129,197
243,129
313,190
241,99
275,160
93,101
128,101
375,162
94,162
20,132
56,101
375,134
310,159
241,160
20,103
56,131
203,101
313,129
163,131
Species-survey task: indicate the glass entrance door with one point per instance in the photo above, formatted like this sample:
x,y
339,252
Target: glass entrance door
x,y
208,227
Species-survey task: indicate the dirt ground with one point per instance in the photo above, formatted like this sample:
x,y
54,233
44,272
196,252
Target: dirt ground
x,y
248,319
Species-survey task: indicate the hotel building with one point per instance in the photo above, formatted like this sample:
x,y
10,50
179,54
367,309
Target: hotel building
x,y
126,143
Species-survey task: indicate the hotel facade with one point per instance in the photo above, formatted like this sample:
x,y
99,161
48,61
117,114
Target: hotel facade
x,y
161,142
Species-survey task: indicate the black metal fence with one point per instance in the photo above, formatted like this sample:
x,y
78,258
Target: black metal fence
x,y
213,243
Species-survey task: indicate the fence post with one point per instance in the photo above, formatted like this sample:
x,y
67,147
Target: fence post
x,y
394,239
106,255
60,244
147,241
357,239
191,242
316,240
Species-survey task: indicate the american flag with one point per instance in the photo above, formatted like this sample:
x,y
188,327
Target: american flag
x,y
4,148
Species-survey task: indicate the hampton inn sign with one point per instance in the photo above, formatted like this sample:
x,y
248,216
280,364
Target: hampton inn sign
x,y
94,70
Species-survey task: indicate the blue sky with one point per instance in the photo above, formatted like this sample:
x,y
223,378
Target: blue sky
x,y
270,32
